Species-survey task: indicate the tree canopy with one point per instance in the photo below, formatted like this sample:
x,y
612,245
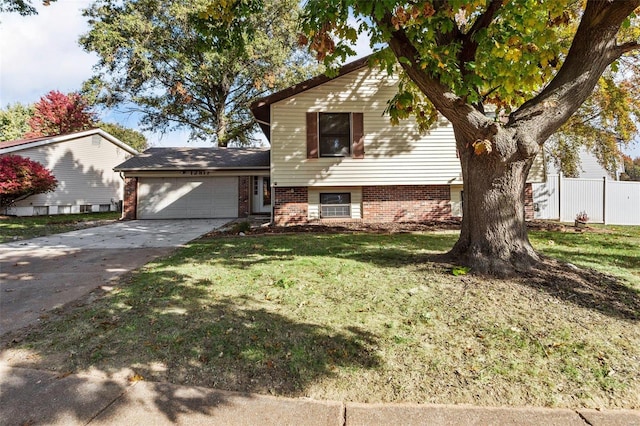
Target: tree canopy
x,y
606,121
133,138
14,121
57,113
184,65
23,7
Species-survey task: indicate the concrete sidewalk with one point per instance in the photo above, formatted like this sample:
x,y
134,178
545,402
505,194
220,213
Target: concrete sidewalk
x,y
37,397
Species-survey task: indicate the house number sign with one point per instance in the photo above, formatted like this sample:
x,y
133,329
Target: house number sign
x,y
197,172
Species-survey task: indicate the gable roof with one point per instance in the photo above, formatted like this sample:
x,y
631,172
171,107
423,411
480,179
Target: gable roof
x,y
197,158
8,147
261,108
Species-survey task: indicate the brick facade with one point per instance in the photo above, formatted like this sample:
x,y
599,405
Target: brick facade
x,y
401,203
290,205
406,203
528,202
130,201
244,193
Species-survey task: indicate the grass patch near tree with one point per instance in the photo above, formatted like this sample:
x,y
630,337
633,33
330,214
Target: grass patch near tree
x,y
14,228
610,249
361,317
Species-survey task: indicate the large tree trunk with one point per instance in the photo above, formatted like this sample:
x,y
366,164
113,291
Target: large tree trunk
x,y
493,238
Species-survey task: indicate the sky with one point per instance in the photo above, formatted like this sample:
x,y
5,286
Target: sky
x,y
40,53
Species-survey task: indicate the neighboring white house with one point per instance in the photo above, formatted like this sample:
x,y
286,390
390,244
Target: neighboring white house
x,y
335,154
589,167
82,163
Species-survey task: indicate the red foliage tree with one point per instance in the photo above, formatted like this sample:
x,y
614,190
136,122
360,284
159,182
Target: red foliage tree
x,y
21,177
57,113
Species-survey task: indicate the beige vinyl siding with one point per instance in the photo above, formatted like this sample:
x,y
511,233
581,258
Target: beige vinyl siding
x,y
537,172
456,200
356,200
83,168
394,155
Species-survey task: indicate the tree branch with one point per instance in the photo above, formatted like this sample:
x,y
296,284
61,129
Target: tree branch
x,y
592,51
621,49
446,102
469,45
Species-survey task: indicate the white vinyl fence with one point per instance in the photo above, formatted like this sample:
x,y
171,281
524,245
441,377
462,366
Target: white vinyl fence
x,y
604,201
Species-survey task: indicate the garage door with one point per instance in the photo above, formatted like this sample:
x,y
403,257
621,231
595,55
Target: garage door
x,y
187,198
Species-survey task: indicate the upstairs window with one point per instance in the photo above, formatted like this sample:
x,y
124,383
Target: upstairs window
x,y
334,132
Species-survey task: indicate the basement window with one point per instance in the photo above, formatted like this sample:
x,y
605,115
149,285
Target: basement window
x,y
334,205
40,210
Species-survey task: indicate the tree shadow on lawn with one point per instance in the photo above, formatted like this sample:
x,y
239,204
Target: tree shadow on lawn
x,y
167,327
583,287
586,288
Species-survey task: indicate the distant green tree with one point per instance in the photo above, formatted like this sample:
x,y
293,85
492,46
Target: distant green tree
x,y
14,121
133,138
169,62
631,168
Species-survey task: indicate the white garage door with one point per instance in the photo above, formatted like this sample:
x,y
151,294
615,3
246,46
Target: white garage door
x,y
187,198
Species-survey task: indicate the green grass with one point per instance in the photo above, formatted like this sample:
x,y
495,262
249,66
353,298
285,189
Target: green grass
x,y
364,317
609,249
21,228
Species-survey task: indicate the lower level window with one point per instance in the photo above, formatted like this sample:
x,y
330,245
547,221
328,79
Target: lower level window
x,y
335,204
40,210
85,208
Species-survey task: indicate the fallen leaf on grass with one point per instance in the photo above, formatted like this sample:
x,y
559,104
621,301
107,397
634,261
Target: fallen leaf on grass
x,y
460,270
135,378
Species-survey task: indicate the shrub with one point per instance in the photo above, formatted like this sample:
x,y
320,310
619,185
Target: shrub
x,y
21,177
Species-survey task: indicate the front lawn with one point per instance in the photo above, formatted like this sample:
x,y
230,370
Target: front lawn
x,y
20,228
369,318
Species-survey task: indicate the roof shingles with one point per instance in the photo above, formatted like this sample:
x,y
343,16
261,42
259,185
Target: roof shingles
x,y
197,158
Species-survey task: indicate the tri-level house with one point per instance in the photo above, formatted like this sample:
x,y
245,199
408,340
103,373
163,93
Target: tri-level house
x,y
336,156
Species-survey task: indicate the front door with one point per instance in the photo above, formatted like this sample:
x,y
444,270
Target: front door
x,y
261,200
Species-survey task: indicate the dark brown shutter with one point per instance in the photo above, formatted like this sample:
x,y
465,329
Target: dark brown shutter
x,y
312,135
358,134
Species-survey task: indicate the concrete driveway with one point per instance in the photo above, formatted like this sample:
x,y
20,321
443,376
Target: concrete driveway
x,y
45,273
